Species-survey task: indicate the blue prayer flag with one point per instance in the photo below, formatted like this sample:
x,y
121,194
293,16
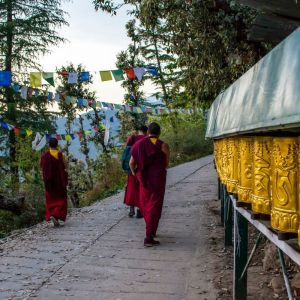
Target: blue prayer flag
x,y
84,76
5,78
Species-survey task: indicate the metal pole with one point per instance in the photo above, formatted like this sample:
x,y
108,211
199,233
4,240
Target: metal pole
x,y
228,207
258,239
222,195
240,256
285,275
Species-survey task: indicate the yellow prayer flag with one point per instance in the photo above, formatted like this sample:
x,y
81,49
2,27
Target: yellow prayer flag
x,y
105,75
68,138
29,132
35,79
88,132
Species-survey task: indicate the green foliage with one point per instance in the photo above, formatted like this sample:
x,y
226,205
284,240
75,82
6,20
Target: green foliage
x,y
185,135
109,177
200,47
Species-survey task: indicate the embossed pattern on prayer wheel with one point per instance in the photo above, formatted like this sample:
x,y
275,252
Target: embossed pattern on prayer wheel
x,y
261,194
232,165
223,160
245,169
284,184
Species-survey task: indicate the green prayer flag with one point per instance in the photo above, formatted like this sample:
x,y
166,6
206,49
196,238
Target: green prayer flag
x,y
49,77
118,75
105,75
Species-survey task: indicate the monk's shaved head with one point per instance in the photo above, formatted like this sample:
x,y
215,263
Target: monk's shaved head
x,y
53,142
154,128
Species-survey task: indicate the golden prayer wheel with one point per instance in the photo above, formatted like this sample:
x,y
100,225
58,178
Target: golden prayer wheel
x,y
261,194
232,165
217,156
245,169
285,184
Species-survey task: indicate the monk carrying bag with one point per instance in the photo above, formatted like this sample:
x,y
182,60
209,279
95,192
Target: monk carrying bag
x,y
126,156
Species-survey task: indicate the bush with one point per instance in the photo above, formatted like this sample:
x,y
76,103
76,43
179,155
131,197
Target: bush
x,y
109,178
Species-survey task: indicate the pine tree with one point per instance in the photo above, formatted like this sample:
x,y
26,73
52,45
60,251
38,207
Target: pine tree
x,y
27,30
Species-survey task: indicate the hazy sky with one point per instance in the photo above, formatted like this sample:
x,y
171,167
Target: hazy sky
x,y
94,39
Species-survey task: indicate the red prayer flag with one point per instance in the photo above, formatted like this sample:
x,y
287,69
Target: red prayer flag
x,y
16,130
130,73
80,135
58,137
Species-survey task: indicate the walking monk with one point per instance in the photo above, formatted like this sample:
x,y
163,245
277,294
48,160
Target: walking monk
x,y
56,180
149,160
132,191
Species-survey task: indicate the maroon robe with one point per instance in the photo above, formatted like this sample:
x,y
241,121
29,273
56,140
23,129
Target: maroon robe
x,y
56,180
132,190
151,173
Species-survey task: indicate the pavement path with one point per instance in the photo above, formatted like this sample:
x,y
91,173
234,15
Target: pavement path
x,y
99,254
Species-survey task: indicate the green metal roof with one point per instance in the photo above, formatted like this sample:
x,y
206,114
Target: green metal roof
x,y
265,98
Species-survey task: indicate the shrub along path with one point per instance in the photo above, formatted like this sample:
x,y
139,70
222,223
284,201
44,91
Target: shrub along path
x,y
99,254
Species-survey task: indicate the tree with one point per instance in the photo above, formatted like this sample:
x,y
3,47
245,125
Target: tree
x,y
207,39
126,60
70,108
28,29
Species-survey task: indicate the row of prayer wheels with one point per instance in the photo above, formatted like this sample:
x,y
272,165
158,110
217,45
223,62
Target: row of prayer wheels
x,y
265,173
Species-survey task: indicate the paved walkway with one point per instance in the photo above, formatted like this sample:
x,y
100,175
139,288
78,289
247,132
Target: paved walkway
x,y
99,254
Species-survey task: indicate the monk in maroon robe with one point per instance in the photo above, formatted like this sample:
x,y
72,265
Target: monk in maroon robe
x,y
132,191
149,160
55,180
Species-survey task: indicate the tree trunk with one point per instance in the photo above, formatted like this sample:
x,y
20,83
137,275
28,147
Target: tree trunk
x,y
11,109
86,154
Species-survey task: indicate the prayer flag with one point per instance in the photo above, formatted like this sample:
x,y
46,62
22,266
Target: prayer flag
x,y
68,138
16,130
49,77
111,119
85,102
36,92
63,137
73,100
57,97
84,76
139,110
23,132
5,78
29,132
94,104
16,87
105,75
4,125
30,92
139,73
58,137
80,135
130,73
73,78
118,75
87,132
64,73
24,90
68,100
80,102
35,79
152,70
50,96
